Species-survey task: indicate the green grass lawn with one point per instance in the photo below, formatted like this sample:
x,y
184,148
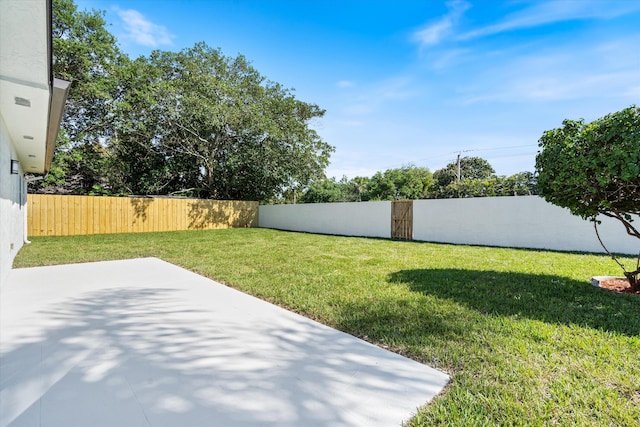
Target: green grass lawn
x,y
525,338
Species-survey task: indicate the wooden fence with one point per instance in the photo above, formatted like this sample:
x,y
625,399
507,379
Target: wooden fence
x,y
56,215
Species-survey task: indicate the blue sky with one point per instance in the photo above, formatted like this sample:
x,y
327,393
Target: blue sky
x,y
415,82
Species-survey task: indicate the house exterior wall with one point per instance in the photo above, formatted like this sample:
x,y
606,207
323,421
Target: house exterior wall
x,y
13,196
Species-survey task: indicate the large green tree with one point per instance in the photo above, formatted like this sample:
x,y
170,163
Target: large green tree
x,y
594,169
140,163
226,132
520,184
194,122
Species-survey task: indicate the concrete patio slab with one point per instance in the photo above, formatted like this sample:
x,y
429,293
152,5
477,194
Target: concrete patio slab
x,y
145,343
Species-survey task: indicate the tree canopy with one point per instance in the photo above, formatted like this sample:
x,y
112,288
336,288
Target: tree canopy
x,y
472,169
329,191
594,168
194,122
475,168
478,179
412,182
407,182
225,132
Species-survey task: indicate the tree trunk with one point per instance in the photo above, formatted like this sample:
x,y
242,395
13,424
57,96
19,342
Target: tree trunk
x,y
633,279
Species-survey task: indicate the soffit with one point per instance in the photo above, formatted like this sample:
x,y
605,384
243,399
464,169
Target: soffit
x,y
24,78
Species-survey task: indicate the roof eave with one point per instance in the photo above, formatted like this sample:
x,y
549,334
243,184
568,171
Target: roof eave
x,y
59,91
58,98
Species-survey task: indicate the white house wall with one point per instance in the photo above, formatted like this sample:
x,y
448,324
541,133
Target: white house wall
x,y
12,204
367,219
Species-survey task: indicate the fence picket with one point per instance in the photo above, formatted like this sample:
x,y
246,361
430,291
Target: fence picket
x,y
62,215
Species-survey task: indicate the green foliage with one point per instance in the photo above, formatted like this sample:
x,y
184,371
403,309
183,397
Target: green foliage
x,y
226,132
478,179
78,169
472,169
193,122
85,53
411,182
140,162
593,168
475,168
407,182
329,191
519,184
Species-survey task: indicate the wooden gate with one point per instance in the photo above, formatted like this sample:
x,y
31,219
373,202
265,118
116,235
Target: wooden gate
x,y
402,219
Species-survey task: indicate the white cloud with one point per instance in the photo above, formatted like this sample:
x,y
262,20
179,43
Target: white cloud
x,y
372,98
566,74
560,88
549,12
345,84
350,123
448,58
433,33
142,31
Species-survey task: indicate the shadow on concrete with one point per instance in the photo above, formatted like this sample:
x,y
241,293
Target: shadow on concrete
x,y
126,356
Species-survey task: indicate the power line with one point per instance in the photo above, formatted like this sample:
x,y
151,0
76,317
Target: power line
x,y
507,148
425,160
439,156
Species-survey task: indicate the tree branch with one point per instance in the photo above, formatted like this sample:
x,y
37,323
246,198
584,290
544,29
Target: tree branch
x,y
631,230
595,227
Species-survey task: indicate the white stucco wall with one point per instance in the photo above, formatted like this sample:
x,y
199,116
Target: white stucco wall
x,y
367,219
521,222
526,221
12,202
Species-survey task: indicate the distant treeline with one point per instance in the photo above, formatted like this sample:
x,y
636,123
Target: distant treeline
x,y
474,177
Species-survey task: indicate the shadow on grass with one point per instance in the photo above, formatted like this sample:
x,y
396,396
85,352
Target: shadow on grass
x,y
551,299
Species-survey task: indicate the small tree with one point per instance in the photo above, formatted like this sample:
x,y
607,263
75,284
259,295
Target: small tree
x,y
445,180
594,169
408,182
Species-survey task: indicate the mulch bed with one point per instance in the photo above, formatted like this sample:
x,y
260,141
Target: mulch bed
x,y
617,284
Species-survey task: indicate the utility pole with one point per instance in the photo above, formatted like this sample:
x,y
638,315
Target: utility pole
x,y
458,175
